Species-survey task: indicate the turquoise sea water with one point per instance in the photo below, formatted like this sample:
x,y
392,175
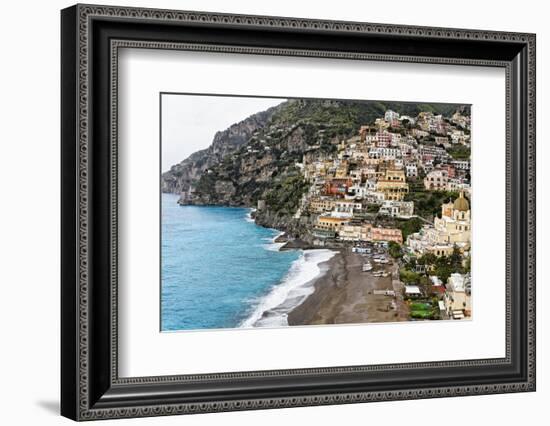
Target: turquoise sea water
x,y
217,266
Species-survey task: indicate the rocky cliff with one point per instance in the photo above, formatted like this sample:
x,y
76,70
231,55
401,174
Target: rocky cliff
x,y
261,157
183,176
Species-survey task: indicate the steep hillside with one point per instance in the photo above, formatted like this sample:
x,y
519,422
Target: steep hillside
x,y
183,176
260,157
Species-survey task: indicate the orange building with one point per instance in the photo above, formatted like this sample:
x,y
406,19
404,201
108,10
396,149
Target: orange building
x,y
386,234
337,187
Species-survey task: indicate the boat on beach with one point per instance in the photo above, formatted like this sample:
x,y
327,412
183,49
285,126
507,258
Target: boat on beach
x,y
367,267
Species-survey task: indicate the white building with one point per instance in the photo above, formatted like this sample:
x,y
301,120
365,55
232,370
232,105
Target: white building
x,y
412,291
358,190
370,184
398,163
411,170
457,300
458,136
452,229
435,280
456,185
461,164
386,153
374,197
436,180
406,117
390,116
346,206
395,139
400,209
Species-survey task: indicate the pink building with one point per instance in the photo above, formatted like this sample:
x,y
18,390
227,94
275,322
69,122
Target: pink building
x,y
386,234
383,139
436,180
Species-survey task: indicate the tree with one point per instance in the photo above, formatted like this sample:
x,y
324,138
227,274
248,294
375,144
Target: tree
x,y
424,280
373,208
284,197
456,259
467,266
409,226
427,259
443,268
428,203
395,250
409,277
426,283
443,272
459,152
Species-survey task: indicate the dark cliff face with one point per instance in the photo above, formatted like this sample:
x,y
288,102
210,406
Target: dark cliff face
x,y
183,176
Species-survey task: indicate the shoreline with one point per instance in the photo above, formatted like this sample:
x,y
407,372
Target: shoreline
x,y
346,295
272,309
280,226
318,290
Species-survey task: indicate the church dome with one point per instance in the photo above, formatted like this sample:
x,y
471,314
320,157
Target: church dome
x,y
461,203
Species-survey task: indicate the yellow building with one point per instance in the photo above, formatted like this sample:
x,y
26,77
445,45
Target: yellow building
x,y
440,250
342,170
352,233
454,226
321,205
393,185
331,223
381,124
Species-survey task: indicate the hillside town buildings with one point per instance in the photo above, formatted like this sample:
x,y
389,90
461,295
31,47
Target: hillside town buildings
x,y
401,183
369,182
399,209
457,298
452,229
367,190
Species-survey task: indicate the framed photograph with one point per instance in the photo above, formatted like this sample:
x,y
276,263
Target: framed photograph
x,y
263,212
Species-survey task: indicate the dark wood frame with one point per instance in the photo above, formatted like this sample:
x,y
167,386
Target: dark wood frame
x,y
90,386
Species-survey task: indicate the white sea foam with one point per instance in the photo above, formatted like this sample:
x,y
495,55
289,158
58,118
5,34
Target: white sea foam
x,y
272,310
248,216
273,246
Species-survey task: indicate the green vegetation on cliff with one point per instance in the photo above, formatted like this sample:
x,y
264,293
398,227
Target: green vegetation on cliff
x,y
206,185
345,117
285,195
258,158
408,226
442,266
427,204
459,152
395,250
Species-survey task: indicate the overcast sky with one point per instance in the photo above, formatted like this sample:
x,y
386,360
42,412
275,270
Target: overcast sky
x,y
189,122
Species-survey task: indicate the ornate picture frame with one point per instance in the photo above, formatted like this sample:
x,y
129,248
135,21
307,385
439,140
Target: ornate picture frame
x,y
90,39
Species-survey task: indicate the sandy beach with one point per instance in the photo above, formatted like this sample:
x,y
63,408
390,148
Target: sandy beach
x,y
346,295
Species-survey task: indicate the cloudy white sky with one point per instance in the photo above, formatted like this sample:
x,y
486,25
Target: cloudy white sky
x,y
189,122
